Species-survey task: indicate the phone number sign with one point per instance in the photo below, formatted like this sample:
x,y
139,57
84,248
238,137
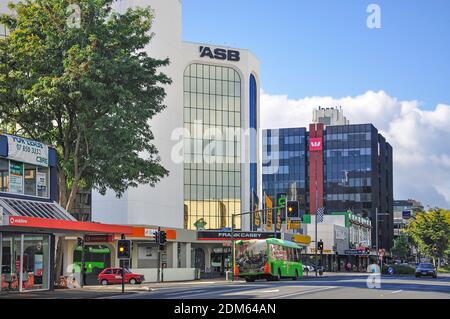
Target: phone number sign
x,y
27,151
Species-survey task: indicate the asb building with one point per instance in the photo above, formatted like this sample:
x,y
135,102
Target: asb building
x,y
213,166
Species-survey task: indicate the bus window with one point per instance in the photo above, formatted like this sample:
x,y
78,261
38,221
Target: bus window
x,y
296,255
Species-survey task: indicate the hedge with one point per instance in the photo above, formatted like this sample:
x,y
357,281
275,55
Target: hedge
x,y
399,269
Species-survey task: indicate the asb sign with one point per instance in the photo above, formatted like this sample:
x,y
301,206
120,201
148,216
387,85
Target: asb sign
x,y
315,144
27,151
220,54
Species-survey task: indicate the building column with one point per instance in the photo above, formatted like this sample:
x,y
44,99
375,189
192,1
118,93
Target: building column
x,y
188,255
172,255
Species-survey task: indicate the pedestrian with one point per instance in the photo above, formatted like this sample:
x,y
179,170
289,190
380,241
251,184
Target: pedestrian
x,y
349,266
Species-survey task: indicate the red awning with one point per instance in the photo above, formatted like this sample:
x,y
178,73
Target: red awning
x,y
65,225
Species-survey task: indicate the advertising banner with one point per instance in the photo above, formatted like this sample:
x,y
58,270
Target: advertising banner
x,y
16,178
27,151
269,215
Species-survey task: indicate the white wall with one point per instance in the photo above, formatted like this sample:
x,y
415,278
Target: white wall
x,y
163,204
170,274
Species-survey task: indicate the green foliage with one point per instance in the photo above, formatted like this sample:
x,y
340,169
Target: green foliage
x,y
89,91
399,269
430,232
401,247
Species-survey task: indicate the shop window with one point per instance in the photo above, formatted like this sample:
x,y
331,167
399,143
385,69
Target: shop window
x,y
4,175
30,180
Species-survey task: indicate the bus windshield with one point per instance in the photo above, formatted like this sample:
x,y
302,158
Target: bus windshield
x,y
251,256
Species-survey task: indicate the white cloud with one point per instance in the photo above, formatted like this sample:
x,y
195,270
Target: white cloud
x,y
420,138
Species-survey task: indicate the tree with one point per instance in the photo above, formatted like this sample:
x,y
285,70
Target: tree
x,y
88,89
401,247
430,232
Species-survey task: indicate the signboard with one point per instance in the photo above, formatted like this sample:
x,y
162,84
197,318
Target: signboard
x,y
269,216
315,144
226,235
150,232
98,238
355,252
148,252
406,214
294,224
27,151
15,177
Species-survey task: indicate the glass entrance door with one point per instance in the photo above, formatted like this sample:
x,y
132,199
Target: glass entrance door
x,y
11,262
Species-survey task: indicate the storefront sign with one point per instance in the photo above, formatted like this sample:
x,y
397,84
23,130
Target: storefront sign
x,y
150,232
27,151
219,235
16,177
355,252
98,238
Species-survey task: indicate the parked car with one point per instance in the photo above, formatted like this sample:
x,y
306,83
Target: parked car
x,y
426,269
114,276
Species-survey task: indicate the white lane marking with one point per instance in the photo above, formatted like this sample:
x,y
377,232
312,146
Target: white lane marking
x,y
304,292
250,292
397,291
190,295
184,292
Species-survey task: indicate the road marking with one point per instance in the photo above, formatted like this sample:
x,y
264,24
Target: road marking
x,y
397,291
251,292
303,292
190,295
184,292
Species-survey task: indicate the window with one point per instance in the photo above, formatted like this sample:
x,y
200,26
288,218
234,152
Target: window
x,y
4,175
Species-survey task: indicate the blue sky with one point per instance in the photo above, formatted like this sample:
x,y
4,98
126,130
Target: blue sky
x,y
324,48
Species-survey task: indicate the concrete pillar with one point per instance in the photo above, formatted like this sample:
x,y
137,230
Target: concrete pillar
x,y
134,255
172,255
188,254
207,257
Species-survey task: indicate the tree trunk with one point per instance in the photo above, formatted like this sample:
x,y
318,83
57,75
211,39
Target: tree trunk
x,y
60,241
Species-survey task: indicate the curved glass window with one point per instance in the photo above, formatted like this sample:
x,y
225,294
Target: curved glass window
x,y
212,173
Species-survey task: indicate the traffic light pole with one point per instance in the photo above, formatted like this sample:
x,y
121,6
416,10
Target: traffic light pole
x,y
159,255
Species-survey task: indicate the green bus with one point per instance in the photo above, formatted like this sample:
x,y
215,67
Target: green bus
x,y
96,258
270,259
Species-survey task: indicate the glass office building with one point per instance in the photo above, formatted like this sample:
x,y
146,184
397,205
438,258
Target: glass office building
x,y
212,172
356,172
284,164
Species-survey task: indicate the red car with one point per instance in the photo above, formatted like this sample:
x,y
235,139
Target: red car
x,y
114,276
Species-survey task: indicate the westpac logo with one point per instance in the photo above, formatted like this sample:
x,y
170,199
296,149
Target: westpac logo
x,y
316,144
220,54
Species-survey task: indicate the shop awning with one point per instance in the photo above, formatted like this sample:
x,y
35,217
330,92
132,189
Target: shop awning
x,y
21,214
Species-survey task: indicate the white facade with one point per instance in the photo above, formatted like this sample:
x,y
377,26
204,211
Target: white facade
x,y
330,116
164,204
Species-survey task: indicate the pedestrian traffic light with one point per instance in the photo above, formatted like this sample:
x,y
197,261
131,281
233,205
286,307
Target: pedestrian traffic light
x,y
124,249
80,241
292,209
367,250
320,245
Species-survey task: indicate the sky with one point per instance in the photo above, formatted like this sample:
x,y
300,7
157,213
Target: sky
x,y
322,52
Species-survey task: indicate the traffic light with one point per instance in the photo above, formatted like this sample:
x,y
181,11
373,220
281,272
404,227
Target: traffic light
x,y
124,249
162,237
320,245
367,250
80,241
292,209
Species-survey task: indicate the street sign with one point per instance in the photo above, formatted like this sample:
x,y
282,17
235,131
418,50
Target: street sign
x,y
390,271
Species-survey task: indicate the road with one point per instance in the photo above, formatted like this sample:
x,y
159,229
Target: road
x,y
330,287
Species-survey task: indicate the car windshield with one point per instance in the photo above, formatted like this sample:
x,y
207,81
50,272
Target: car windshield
x,y
426,266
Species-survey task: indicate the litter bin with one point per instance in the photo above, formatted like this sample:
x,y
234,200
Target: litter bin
x,y
320,271
229,275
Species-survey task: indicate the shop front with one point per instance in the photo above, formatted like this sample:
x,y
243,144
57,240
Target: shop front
x,y
212,250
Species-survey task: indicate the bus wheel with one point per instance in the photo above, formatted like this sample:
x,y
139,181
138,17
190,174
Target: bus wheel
x,y
249,279
296,275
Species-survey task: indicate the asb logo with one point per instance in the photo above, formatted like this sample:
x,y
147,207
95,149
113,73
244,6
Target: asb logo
x,y
220,54
315,144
